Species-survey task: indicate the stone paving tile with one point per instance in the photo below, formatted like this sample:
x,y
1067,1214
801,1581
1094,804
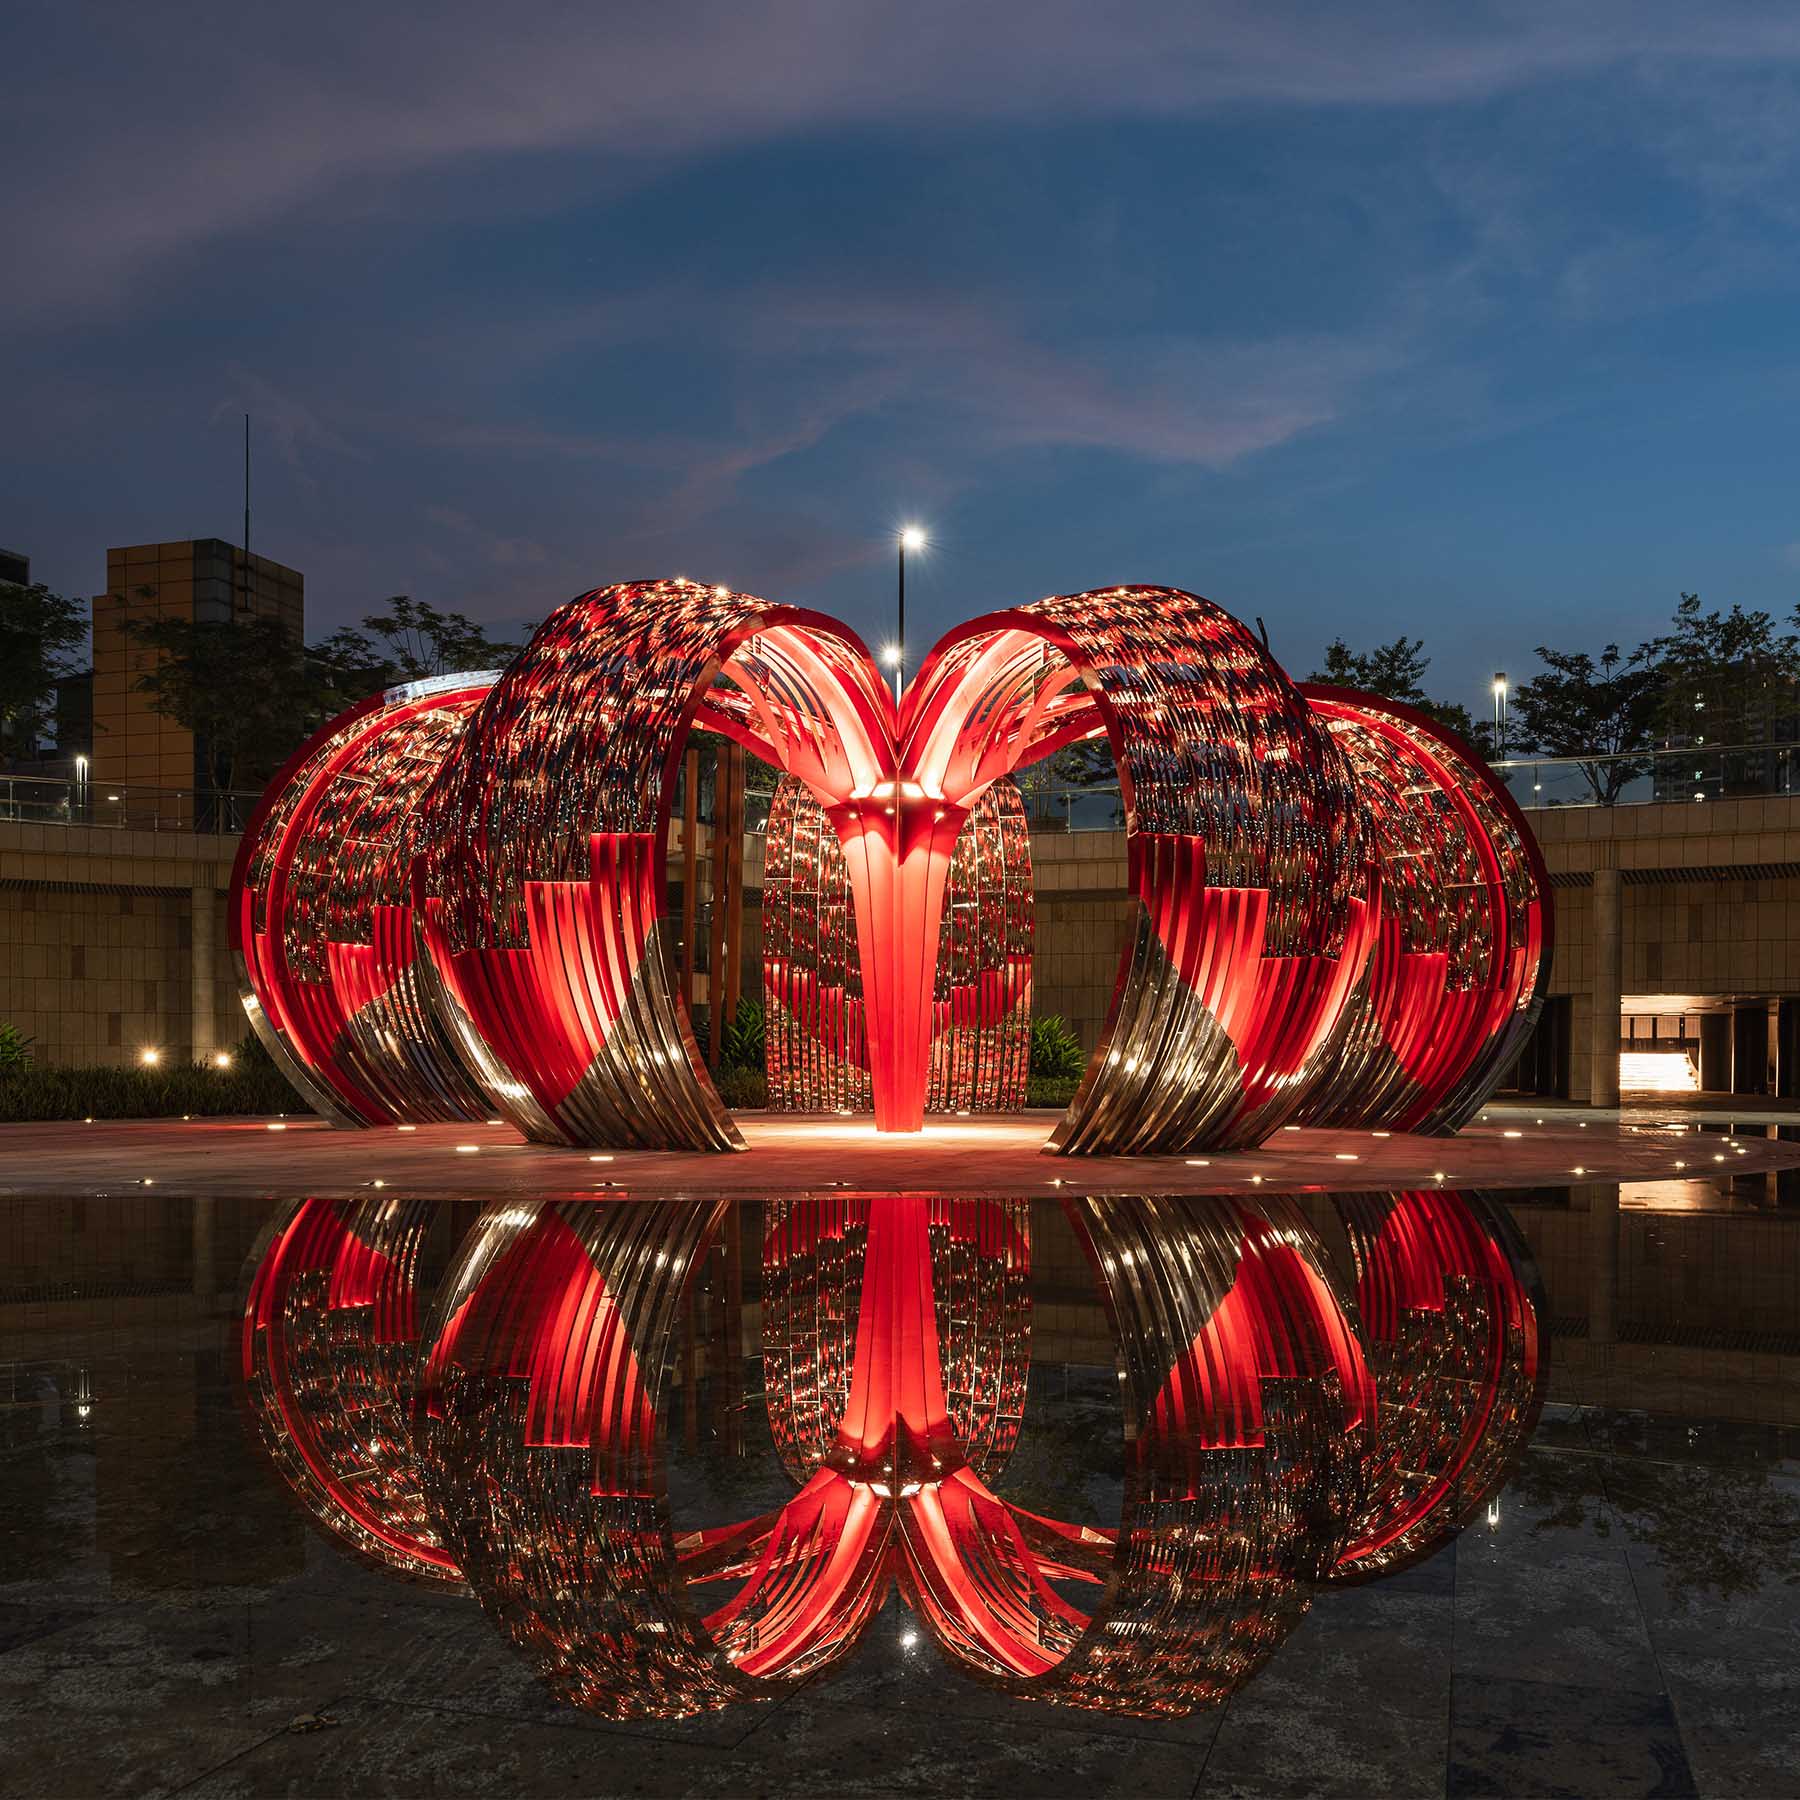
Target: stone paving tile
x,y
133,1702
1369,1640
476,1672
1557,1738
818,1742
896,1669
1740,1720
401,1751
1325,1742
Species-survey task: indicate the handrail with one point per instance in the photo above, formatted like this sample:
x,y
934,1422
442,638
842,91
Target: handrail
x,y
1636,778
84,800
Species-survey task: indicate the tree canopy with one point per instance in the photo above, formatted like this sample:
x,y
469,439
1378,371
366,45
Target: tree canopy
x,y
38,630
251,693
1396,671
1595,711
410,640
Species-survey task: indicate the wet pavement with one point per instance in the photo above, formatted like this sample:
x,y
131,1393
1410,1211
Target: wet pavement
x,y
1623,1618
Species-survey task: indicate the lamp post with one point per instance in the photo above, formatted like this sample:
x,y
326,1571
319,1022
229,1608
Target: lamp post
x,y
1500,716
911,538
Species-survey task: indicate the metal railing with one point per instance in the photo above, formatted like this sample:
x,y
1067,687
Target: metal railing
x,y
78,800
1685,776
1742,771
1701,773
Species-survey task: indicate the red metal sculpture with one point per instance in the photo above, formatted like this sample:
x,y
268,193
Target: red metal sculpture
x,y
1247,1408
328,1356
1455,1324
817,1024
1268,974
321,912
1463,951
1276,1434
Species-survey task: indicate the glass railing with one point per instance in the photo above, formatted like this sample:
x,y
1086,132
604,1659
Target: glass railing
x,y
1670,776
56,800
1699,774
1732,772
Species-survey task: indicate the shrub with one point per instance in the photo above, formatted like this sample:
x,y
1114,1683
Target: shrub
x,y
742,1088
15,1050
1056,1053
745,1038
251,1085
1041,1091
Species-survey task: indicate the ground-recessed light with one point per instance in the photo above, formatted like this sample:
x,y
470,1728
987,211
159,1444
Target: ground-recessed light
x,y
605,1158
406,1128
467,1149
1199,1162
1344,1156
1512,1134
275,1125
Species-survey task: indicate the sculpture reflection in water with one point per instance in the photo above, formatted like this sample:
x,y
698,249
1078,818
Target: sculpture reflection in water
x,y
1283,1423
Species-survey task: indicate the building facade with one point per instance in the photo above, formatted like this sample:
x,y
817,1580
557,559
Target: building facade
x,y
198,580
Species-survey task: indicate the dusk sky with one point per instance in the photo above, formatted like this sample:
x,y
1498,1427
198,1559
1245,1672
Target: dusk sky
x,y
1476,323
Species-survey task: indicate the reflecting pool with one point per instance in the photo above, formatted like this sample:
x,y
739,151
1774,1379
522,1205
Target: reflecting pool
x,y
1431,1492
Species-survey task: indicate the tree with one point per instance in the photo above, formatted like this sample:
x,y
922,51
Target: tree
x,y
1396,671
1595,712
246,689
1729,678
410,640
38,629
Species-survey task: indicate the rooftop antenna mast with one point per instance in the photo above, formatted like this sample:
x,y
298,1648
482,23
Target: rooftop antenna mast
x,y
246,498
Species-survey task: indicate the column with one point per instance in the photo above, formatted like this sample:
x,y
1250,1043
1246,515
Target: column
x,y
1750,1048
1603,1042
1787,1048
1715,1052
202,949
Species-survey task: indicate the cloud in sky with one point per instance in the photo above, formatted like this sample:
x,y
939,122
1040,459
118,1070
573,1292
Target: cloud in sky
x,y
1407,315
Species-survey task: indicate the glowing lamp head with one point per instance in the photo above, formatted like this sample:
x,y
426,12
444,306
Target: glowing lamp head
x,y
912,538
222,1059
1499,686
149,1058
890,656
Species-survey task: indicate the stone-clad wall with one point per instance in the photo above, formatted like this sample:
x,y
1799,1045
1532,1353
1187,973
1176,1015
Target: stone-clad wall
x,y
1083,914
95,924
96,936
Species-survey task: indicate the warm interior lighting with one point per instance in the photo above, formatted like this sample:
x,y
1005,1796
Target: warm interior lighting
x,y
1658,1071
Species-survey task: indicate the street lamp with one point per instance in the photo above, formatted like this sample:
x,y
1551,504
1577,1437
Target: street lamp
x,y
911,538
1500,716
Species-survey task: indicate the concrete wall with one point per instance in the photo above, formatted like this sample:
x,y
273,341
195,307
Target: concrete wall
x,y
97,930
96,925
